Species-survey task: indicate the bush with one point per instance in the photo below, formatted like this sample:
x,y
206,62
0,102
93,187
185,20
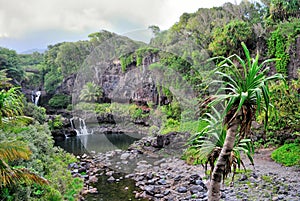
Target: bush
x,y
36,112
60,101
47,161
55,123
288,154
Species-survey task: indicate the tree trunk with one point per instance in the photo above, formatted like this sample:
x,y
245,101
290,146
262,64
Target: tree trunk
x,y
215,184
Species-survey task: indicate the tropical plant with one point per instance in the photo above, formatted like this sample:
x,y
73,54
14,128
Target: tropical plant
x,y
207,144
10,151
90,92
11,104
245,82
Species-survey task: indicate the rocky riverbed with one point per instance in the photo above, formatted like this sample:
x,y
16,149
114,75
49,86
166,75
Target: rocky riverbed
x,y
160,174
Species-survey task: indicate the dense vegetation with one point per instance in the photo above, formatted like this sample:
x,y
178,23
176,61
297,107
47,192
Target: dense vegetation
x,y
271,28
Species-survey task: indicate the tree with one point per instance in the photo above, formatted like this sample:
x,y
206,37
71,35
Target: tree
x,y
90,92
248,92
10,61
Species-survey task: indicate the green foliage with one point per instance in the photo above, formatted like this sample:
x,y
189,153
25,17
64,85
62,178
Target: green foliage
x,y
52,80
36,112
125,61
227,40
285,112
248,94
59,101
55,123
10,61
103,108
281,10
171,125
205,146
280,41
46,160
11,104
71,56
91,92
288,154
144,52
172,110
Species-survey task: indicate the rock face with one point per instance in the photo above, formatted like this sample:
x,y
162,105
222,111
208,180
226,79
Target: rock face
x,y
294,64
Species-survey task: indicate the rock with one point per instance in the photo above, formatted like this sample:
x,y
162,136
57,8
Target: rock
x,y
196,189
177,178
124,156
149,175
93,191
159,195
111,179
182,189
162,182
93,179
150,190
243,178
166,192
194,178
109,173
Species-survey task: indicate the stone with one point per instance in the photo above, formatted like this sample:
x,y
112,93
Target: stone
x,y
162,182
177,178
93,179
93,191
194,178
150,190
243,178
124,156
159,195
149,176
111,179
182,189
196,189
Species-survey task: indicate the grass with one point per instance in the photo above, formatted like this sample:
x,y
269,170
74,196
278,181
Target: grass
x,y
288,154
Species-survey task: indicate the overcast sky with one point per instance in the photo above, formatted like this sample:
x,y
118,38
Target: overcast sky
x,y
38,23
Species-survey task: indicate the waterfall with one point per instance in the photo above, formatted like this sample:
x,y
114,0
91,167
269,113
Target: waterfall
x,y
37,96
78,124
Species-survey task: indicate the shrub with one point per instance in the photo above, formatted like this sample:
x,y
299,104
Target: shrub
x,y
60,101
36,112
46,160
288,154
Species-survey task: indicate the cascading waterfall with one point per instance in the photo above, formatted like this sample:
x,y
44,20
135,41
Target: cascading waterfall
x,y
35,96
78,124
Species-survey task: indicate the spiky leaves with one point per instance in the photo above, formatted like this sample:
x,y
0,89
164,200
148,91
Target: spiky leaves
x,y
10,151
245,82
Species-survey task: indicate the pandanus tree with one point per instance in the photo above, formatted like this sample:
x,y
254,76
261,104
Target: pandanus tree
x,y
245,83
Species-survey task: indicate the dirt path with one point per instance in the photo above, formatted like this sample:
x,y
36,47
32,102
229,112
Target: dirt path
x,y
267,181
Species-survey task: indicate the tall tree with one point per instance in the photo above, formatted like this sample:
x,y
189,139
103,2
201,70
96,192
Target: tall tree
x,y
248,90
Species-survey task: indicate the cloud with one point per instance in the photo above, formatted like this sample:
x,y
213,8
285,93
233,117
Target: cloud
x,y
20,19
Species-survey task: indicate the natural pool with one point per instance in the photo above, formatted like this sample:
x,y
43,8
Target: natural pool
x,y
121,189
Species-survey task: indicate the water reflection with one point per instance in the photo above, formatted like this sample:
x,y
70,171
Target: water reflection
x,y
97,142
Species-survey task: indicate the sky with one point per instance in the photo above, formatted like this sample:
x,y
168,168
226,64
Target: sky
x,y
35,24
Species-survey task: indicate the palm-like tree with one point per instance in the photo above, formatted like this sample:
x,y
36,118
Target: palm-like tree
x,y
10,151
207,145
247,92
90,92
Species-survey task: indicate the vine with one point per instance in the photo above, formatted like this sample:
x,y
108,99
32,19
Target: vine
x,y
280,41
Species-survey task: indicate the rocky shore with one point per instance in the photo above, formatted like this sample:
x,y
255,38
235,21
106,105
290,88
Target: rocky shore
x,y
160,174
